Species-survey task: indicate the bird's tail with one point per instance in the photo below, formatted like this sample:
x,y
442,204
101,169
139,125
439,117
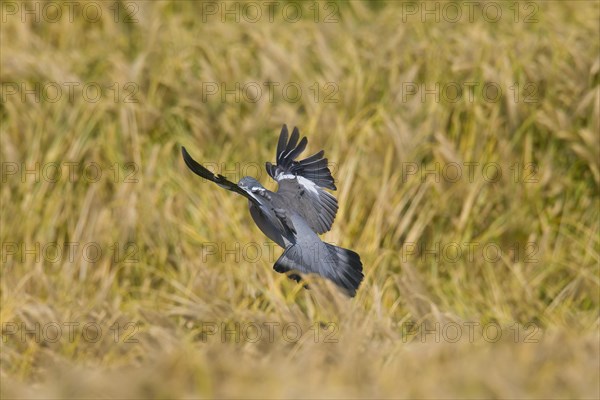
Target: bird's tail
x,y
347,272
342,266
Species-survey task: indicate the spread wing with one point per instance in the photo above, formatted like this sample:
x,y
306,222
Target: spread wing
x,y
218,179
302,182
259,200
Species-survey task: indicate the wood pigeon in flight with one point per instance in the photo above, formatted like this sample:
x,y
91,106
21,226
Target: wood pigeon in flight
x,y
296,213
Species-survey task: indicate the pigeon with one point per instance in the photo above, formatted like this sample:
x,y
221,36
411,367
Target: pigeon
x,y
297,213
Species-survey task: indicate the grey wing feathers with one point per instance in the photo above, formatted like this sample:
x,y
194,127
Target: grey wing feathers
x,y
302,182
199,170
220,180
316,206
313,168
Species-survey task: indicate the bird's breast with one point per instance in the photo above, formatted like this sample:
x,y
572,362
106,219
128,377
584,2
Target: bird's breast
x,y
267,227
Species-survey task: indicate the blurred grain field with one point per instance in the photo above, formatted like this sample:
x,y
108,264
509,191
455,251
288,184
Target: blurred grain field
x,y
466,155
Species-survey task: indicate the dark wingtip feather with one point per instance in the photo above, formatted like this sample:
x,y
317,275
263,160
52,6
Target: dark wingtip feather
x,y
291,155
283,138
315,157
293,140
313,167
195,167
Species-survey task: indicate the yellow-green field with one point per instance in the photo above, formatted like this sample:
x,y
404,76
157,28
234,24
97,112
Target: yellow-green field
x,y
464,139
